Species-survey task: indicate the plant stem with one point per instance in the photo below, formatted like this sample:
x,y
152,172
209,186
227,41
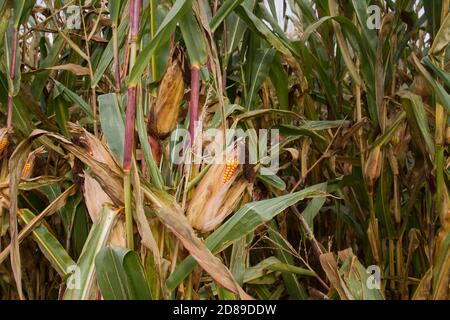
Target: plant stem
x,y
116,59
193,104
129,123
12,75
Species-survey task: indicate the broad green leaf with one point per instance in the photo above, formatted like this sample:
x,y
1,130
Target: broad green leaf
x,y
274,181
313,208
120,275
433,9
442,74
261,65
280,81
80,283
21,11
261,29
111,119
193,39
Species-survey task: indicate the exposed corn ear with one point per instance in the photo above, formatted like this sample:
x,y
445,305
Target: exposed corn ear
x,y
230,169
4,141
3,144
212,202
28,168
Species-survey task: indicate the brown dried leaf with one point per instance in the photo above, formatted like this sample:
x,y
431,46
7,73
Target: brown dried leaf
x,y
172,216
76,69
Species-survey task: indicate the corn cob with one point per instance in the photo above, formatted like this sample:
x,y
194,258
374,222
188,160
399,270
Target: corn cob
x,y
3,144
27,168
230,169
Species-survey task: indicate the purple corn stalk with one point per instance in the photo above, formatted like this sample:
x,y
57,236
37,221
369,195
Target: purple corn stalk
x,y
131,102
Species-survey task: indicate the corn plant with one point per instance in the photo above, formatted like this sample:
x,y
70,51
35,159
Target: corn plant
x,y
186,149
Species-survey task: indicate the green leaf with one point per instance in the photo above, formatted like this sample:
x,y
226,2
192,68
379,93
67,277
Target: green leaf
x,y
74,98
120,275
274,181
280,81
155,173
163,34
440,92
273,264
236,29
193,39
80,283
21,11
111,119
417,119
313,208
433,9
114,10
291,282
49,245
244,221
260,28
225,9
261,65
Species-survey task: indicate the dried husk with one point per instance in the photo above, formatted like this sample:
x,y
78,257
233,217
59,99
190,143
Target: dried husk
x,y
95,199
372,168
164,113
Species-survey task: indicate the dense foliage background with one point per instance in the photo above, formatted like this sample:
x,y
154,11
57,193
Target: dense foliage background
x,y
92,206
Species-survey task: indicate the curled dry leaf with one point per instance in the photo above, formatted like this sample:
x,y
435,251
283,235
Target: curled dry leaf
x,y
169,212
95,199
76,69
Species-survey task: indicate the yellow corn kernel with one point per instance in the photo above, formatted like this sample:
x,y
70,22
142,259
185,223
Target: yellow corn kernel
x,y
3,144
230,169
27,168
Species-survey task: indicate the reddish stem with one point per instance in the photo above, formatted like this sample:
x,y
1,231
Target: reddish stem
x,y
136,9
131,102
193,104
129,128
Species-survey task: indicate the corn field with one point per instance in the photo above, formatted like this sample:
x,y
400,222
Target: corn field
x,y
335,188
